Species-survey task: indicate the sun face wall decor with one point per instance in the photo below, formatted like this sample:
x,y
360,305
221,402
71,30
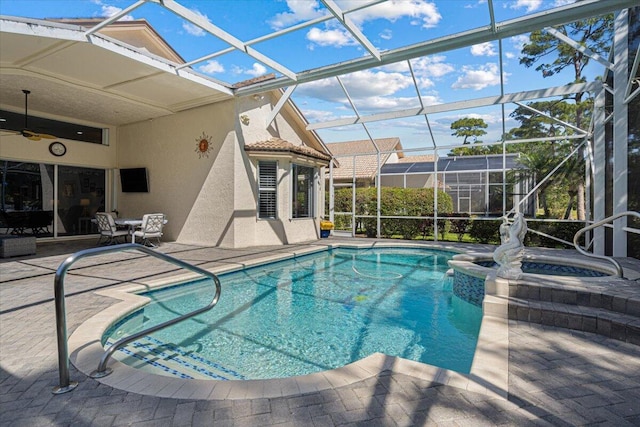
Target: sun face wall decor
x,y
203,145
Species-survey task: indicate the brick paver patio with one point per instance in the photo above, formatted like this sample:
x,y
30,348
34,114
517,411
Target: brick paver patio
x,y
556,376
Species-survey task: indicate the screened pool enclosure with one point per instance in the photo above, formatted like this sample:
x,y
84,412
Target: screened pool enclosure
x,y
500,107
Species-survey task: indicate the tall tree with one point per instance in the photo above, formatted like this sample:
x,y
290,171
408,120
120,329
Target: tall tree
x,y
553,55
471,129
539,158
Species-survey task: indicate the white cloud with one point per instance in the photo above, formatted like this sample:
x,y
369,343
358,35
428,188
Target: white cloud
x,y
425,69
318,116
386,34
301,10
480,3
423,12
194,30
478,78
361,85
559,3
510,55
331,37
483,49
108,11
432,66
529,5
256,70
211,67
519,41
396,67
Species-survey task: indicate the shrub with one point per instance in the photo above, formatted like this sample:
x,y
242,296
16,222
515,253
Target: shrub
x,y
486,230
561,230
402,202
459,226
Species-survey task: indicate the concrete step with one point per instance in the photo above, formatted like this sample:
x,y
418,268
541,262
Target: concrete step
x,y
612,324
617,295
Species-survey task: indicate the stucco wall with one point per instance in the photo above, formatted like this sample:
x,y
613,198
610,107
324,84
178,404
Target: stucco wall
x,y
210,200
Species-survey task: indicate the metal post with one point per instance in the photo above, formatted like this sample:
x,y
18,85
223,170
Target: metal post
x,y
599,164
61,330
620,130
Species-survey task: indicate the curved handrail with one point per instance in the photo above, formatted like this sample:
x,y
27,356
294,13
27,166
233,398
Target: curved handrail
x,y
61,321
598,224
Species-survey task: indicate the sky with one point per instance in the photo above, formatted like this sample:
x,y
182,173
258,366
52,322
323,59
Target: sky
x,y
469,73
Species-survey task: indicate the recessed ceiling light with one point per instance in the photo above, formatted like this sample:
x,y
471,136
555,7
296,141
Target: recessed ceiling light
x,y
79,132
2,119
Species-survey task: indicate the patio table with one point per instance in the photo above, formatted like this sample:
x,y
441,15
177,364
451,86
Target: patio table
x,y
132,223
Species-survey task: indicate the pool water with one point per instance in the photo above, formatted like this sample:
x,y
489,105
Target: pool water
x,y
309,314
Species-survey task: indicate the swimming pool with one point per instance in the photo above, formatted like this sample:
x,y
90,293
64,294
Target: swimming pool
x,y
309,314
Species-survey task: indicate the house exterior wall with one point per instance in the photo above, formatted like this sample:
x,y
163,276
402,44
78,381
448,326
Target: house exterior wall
x,y
211,200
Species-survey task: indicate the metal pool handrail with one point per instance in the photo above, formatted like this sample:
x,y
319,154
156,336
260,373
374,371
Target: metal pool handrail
x,y
61,318
599,224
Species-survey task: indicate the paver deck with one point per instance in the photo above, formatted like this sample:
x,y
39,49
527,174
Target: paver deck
x,y
555,376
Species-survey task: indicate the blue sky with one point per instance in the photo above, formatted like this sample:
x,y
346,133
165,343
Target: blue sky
x,y
467,73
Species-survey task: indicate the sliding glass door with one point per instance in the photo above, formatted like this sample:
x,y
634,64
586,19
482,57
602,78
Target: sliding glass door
x,y
48,201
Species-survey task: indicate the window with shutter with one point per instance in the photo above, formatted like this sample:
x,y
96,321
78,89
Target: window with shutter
x,y
267,186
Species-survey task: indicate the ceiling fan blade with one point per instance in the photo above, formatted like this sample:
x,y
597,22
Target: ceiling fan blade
x,y
47,136
31,135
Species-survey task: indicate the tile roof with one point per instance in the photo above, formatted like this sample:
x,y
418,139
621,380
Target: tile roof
x,y
258,79
367,165
282,146
417,159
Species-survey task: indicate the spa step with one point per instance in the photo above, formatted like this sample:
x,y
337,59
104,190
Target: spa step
x,y
623,327
616,295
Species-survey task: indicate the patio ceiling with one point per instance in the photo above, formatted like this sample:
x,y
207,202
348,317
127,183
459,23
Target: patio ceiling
x,y
93,78
81,74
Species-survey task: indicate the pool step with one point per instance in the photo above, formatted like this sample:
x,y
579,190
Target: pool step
x,y
623,327
607,306
155,356
616,295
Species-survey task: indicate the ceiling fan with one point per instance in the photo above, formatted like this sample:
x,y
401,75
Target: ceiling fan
x,y
33,136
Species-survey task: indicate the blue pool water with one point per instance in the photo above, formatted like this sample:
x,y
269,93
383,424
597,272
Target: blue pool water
x,y
309,314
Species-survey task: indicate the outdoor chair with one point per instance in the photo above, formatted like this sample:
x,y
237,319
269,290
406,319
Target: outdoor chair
x,y
151,227
107,228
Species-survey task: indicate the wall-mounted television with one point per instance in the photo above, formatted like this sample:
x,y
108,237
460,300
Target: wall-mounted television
x,y
134,180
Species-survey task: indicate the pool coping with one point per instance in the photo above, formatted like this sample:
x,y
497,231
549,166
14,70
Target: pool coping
x,y
489,369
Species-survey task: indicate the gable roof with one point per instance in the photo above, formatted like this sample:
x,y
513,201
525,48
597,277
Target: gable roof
x,y
277,145
366,165
137,33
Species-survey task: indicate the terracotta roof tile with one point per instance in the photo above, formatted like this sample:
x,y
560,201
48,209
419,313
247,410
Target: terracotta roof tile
x,y
258,79
366,166
417,159
280,145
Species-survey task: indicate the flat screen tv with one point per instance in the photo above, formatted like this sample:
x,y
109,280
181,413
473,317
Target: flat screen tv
x,y
134,180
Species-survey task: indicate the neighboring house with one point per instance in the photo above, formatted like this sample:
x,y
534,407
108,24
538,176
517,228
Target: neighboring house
x,y
227,171
359,159
475,183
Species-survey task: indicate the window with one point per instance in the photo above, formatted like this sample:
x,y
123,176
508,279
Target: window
x,y
63,130
267,194
302,195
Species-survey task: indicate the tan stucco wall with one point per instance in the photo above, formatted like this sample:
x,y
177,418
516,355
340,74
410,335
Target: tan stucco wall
x,y
210,200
